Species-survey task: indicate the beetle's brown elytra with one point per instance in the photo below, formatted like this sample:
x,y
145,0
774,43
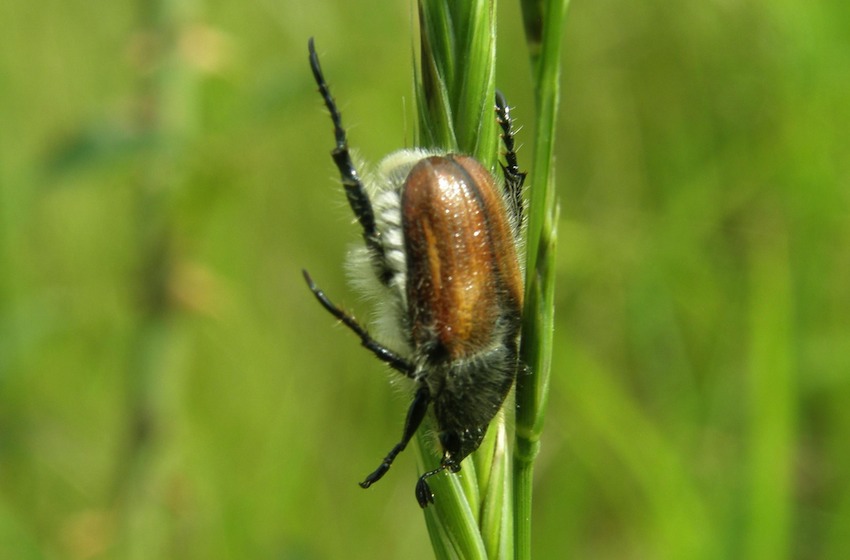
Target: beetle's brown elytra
x,y
441,236
460,247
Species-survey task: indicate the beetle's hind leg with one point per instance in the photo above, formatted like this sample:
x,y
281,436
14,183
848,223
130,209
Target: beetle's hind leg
x,y
514,178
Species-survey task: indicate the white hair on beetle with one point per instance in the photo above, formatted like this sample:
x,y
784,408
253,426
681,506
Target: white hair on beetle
x,y
390,301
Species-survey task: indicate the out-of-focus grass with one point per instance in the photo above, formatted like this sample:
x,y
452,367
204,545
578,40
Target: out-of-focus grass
x,y
702,368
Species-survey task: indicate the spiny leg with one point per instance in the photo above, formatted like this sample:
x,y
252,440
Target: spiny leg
x,y
514,178
381,352
357,196
423,492
415,414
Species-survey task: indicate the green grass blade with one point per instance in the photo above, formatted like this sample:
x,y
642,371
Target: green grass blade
x,y
435,76
456,79
544,24
452,523
496,512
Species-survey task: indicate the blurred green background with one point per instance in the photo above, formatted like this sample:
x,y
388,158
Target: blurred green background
x,y
170,389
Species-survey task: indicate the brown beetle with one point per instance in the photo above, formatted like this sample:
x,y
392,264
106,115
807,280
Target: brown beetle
x,y
441,239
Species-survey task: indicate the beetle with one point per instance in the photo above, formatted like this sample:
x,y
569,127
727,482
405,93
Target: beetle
x,y
440,253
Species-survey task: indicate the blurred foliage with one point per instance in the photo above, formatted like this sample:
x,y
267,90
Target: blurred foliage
x,y
169,388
